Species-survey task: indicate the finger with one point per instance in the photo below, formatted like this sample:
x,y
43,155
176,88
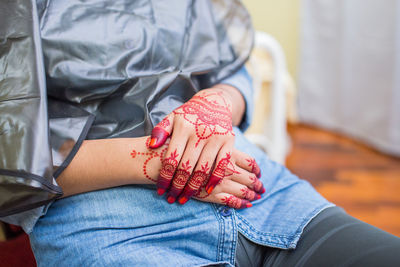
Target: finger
x,y
161,132
238,190
170,162
184,171
257,185
224,167
233,201
246,162
201,172
248,179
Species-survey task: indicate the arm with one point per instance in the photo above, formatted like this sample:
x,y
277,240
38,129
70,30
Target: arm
x,y
106,163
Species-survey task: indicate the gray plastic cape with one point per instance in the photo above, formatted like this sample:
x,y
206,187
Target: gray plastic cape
x,y
74,70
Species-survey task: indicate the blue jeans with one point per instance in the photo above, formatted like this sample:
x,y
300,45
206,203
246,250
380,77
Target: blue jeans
x,y
132,225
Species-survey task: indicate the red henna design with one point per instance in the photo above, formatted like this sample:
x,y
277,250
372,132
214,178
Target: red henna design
x,y
158,137
249,194
150,154
230,170
180,179
235,202
257,185
199,176
208,116
182,175
159,134
197,180
167,171
254,167
202,193
164,123
224,168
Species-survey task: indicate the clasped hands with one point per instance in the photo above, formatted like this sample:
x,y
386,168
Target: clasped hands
x,y
200,160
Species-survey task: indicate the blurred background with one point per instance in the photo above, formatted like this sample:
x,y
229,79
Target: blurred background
x,y
341,99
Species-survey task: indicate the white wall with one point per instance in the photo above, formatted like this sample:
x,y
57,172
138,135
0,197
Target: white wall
x,y
349,72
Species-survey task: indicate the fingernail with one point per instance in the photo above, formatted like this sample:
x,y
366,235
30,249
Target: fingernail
x,y
171,199
210,189
183,200
258,196
160,191
263,190
258,174
158,137
249,205
153,141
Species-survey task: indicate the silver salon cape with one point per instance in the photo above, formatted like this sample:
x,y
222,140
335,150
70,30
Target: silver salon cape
x,y
75,70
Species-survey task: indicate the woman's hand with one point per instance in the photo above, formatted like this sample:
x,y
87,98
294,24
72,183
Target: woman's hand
x,y
239,186
201,135
106,163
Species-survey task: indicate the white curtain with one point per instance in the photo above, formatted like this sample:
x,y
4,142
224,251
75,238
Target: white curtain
x,y
349,73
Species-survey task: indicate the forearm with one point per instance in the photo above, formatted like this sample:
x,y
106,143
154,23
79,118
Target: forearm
x,y
106,163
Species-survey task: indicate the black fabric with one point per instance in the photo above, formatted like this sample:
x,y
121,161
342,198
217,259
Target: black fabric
x,y
333,238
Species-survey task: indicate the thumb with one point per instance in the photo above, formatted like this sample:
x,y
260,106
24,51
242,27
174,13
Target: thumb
x,y
161,132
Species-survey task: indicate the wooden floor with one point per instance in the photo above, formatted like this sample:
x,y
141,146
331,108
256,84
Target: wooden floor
x,y
364,182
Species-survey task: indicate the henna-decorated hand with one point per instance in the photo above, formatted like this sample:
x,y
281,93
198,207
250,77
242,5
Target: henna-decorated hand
x,y
239,186
201,137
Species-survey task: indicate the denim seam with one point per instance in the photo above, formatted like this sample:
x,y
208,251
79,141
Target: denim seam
x,y
274,235
221,229
308,220
289,240
235,236
244,221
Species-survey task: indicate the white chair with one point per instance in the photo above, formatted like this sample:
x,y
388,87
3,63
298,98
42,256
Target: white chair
x,y
274,138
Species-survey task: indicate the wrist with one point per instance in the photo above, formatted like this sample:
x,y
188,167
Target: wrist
x,y
236,99
106,163
146,162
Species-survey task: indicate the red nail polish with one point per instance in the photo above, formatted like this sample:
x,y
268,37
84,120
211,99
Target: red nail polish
x,y
160,191
158,137
171,199
210,189
183,200
249,205
263,191
258,196
153,141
